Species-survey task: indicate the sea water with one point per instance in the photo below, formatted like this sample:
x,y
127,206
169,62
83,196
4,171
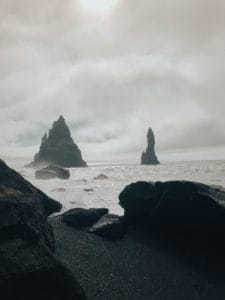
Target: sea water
x,y
104,192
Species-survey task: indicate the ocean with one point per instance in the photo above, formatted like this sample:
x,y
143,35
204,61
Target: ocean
x,y
104,192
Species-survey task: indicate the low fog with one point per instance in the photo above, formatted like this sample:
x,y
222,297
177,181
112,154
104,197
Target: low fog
x,y
114,74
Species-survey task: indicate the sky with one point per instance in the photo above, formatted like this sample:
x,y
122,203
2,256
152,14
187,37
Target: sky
x,y
113,68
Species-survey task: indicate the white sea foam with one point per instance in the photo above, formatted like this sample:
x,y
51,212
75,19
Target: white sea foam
x,y
105,191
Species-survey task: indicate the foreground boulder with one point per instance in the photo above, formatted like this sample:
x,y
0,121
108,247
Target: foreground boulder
x,y
30,271
58,148
149,157
175,206
52,171
110,226
12,182
28,268
81,217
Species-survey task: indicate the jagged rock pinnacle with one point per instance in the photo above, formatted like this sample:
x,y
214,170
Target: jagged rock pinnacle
x,y
59,148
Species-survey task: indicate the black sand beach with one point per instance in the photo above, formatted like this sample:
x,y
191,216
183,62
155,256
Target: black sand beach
x,y
137,268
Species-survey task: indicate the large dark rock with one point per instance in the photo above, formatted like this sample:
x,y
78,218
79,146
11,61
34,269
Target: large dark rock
x,y
81,217
12,182
58,148
149,157
28,269
110,226
175,206
52,171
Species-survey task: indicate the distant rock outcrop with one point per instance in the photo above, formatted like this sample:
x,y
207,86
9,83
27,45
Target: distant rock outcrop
x,y
149,157
58,148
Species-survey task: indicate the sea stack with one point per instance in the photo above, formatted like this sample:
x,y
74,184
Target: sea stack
x,y
149,157
59,148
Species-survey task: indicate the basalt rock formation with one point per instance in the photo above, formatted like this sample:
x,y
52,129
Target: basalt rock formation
x,y
176,206
101,177
58,148
149,157
28,267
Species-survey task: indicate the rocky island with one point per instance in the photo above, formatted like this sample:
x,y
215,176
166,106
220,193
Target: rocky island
x,y
149,157
58,148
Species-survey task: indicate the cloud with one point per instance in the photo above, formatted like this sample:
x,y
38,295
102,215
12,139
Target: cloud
x,y
158,64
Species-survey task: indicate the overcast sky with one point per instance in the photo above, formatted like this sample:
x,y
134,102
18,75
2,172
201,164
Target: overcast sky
x,y
112,74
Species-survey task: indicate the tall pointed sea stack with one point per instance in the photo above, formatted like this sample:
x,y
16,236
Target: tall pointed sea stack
x,y
149,157
59,148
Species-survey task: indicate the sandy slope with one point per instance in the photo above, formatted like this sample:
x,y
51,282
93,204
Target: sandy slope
x,y
137,268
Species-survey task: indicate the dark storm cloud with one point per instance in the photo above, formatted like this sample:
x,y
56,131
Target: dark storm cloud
x,y
146,63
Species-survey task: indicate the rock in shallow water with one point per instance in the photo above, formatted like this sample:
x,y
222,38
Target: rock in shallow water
x,y
45,174
28,268
52,171
60,190
89,190
175,206
101,177
81,217
110,226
